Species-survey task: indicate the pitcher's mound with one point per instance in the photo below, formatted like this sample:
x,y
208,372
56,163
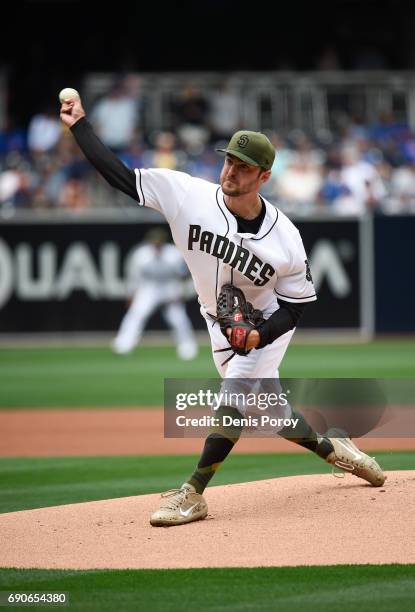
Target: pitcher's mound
x,y
302,520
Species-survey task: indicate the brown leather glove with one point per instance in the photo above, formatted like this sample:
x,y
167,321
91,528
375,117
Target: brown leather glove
x,y
235,313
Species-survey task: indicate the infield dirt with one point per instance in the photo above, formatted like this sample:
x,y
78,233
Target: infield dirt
x,y
134,431
302,520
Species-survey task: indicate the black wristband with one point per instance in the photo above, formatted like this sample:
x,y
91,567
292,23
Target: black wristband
x,y
280,322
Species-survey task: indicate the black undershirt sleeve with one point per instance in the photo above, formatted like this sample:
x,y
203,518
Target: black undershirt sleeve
x,y
104,160
281,321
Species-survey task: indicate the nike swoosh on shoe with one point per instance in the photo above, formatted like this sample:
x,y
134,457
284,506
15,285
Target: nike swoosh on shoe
x,y
188,511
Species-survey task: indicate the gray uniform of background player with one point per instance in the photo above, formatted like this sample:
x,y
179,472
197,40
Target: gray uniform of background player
x,y
155,275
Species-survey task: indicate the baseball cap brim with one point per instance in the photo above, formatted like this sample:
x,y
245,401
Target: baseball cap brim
x,y
240,156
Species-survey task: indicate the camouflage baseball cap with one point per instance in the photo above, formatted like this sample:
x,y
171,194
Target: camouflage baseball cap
x,y
254,148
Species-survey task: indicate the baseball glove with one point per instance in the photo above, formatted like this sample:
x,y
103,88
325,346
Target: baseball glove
x,y
235,313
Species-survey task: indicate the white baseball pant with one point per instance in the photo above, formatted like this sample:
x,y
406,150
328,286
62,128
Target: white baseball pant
x,y
144,303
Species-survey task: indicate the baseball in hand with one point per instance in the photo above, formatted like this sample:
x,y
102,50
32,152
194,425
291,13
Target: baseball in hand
x,y
68,93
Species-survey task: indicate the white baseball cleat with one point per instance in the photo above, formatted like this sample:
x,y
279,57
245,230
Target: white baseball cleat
x,y
119,349
180,506
348,458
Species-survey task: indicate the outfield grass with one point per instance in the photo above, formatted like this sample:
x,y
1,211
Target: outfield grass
x,y
55,377
381,588
47,481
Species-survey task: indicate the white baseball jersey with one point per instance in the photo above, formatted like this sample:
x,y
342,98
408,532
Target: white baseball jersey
x,y
148,264
268,265
164,267
155,278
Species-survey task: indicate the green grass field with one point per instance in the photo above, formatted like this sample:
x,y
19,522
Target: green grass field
x,y
316,589
55,377
49,481
91,377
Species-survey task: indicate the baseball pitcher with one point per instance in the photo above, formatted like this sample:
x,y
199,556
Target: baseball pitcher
x,y
252,277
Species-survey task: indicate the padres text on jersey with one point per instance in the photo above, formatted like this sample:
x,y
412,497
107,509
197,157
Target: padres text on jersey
x,y
265,265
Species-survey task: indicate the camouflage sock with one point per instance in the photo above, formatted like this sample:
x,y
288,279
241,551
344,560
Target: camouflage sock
x,y
217,447
305,436
215,451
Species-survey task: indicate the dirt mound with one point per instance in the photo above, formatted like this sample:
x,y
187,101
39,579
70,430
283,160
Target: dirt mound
x,y
302,520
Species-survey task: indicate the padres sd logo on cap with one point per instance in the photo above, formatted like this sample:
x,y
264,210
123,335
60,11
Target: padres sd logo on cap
x,y
253,148
243,141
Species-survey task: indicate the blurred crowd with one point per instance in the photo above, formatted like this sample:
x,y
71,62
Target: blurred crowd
x,y
349,169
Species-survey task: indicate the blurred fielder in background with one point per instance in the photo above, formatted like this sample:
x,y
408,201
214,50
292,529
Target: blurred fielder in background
x,y
155,278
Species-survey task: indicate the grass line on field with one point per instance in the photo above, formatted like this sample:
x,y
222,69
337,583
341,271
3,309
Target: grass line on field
x,y
47,481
